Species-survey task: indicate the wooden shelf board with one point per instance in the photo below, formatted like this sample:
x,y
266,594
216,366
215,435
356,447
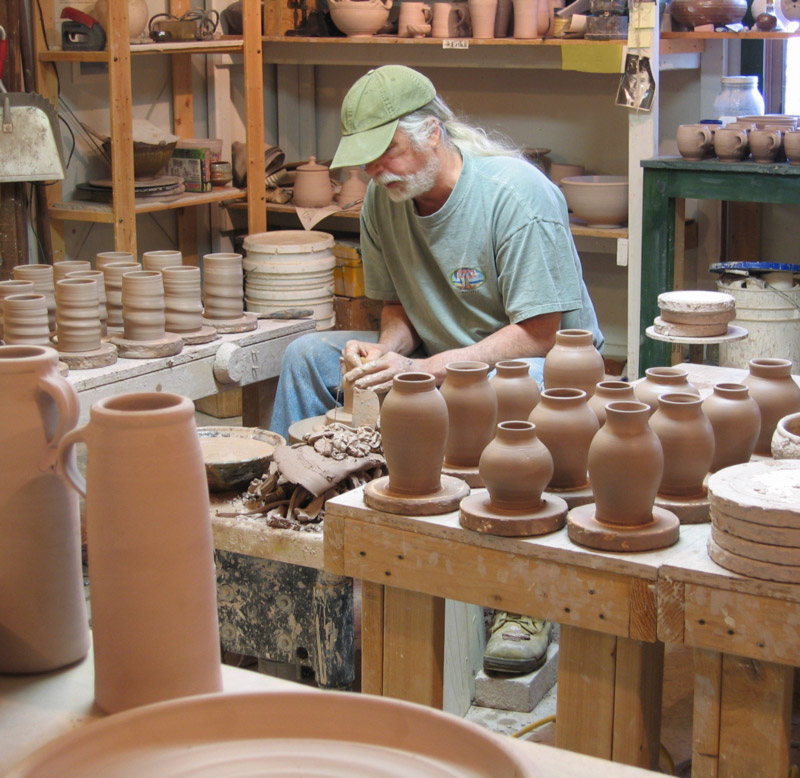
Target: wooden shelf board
x,y
755,35
225,45
393,40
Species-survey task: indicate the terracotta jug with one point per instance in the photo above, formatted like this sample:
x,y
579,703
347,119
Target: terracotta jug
x,y
112,274
526,19
472,412
516,389
43,283
625,444
482,15
607,392
7,288
151,555
687,439
573,362
223,287
736,421
158,260
312,185
516,467
566,425
659,380
773,388
77,315
60,269
25,320
43,621
98,276
414,425
183,305
143,305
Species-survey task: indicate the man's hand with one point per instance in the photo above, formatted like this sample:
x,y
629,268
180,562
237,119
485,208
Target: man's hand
x,y
357,352
378,371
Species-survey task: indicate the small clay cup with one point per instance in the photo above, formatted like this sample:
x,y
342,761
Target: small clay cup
x,y
791,145
730,144
764,145
695,141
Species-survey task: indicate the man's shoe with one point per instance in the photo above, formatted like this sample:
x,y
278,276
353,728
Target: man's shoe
x,y
517,645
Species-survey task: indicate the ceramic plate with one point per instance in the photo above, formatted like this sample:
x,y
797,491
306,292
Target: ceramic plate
x,y
297,733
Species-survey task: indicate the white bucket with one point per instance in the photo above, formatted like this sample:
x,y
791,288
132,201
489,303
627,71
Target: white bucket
x,y
290,269
772,319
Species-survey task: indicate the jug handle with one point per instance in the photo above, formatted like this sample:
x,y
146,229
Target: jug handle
x,y
65,464
66,400
386,3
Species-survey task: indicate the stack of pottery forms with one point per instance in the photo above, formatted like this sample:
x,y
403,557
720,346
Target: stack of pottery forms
x,y
694,314
755,519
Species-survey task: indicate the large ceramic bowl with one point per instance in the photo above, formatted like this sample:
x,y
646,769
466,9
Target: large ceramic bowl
x,y
148,158
601,201
692,13
359,18
234,456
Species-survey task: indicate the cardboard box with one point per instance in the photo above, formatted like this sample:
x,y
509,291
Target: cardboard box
x,y
360,313
192,160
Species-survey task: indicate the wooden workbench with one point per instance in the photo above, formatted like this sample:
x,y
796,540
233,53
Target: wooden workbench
x,y
250,360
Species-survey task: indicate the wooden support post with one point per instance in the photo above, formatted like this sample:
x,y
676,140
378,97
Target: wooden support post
x,y
705,717
371,637
254,110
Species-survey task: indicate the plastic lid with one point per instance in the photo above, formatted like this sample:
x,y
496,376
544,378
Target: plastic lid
x,y
739,80
753,267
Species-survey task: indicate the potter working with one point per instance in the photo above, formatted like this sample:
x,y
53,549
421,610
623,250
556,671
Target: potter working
x,y
466,243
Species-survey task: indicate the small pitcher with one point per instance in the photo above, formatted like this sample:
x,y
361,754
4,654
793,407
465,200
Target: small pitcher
x,y
414,18
449,20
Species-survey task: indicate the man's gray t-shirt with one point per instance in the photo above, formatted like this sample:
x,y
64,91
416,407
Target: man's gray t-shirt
x,y
499,251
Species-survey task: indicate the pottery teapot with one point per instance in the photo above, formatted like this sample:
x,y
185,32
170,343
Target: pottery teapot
x,y
312,185
359,18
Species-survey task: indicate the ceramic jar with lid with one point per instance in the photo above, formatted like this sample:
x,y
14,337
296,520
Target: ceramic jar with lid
x,y
312,185
739,96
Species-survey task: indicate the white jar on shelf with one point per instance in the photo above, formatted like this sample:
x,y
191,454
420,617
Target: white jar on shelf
x,y
739,97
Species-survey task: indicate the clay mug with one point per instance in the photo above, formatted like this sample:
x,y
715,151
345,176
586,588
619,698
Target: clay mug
x,y
791,145
413,17
312,185
448,20
765,145
730,144
695,141
482,15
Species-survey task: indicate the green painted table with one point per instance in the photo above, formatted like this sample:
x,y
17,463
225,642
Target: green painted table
x,y
668,181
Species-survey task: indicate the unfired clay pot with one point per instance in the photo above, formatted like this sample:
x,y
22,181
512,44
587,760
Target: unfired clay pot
x,y
482,15
472,413
414,425
102,258
573,362
687,439
312,185
359,18
223,286
60,269
626,444
112,273
526,19
736,421
182,299
658,381
98,276
143,305
7,288
516,389
773,388
516,467
158,260
786,438
607,392
43,608
43,283
154,614
25,320
77,315
566,425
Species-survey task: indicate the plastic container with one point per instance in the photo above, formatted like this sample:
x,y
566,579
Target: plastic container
x,y
739,96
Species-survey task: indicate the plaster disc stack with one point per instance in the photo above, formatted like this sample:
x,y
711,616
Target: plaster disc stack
x,y
755,519
694,314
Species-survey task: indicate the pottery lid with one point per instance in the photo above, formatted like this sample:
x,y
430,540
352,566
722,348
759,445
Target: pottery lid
x,y
288,242
312,166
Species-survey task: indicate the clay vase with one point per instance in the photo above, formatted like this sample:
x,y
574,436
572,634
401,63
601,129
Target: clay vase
x,y
502,19
687,439
573,362
566,425
625,444
353,189
60,269
43,283
112,274
223,287
183,305
472,413
312,185
25,320
43,621
7,288
777,395
77,315
516,389
658,380
158,260
482,14
526,19
143,313
98,276
516,467
102,258
736,421
151,554
414,423
607,392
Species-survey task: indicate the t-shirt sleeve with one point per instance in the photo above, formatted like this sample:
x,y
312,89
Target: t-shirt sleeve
x,y
378,282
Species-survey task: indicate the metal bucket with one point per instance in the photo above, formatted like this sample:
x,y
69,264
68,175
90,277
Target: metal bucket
x,y
771,316
290,269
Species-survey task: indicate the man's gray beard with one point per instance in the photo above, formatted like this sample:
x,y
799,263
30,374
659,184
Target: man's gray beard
x,y
416,184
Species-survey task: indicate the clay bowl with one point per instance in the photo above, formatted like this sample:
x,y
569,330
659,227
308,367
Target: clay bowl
x,y
559,171
601,201
148,158
234,456
359,18
692,13
786,438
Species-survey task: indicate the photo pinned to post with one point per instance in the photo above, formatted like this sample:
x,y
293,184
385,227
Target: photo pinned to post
x,y
637,87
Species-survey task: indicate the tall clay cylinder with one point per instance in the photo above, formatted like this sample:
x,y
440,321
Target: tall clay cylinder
x,y
414,425
7,288
60,269
151,572
43,283
43,620
625,444
736,420
143,305
773,388
573,362
77,315
104,258
687,439
516,389
223,286
472,411
25,320
98,276
182,299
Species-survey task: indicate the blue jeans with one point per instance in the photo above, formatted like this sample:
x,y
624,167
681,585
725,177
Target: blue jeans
x,y
310,376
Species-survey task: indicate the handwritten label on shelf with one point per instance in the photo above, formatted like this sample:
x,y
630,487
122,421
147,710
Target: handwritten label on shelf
x,y
455,43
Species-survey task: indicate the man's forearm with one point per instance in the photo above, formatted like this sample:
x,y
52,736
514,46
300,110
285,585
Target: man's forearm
x,y
397,332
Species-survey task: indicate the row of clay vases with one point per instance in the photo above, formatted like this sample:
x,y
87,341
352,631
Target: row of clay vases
x,y
573,362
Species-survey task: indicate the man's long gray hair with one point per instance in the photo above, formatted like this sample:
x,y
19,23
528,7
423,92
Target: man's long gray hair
x,y
419,125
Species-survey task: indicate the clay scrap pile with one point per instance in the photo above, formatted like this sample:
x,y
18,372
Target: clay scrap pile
x,y
292,493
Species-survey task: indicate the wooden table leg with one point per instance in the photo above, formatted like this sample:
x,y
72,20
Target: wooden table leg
x,y
705,715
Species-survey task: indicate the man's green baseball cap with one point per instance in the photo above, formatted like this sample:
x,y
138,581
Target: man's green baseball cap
x,y
372,108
